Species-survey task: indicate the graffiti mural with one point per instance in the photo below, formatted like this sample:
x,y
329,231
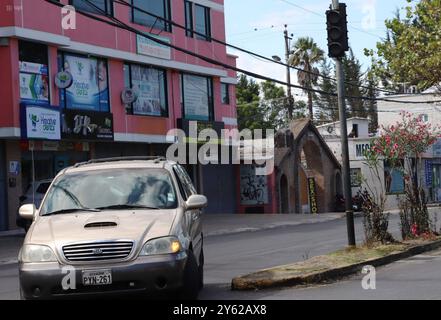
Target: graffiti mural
x,y
253,189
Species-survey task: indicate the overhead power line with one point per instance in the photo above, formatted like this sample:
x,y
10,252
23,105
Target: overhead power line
x,y
119,24
319,15
168,21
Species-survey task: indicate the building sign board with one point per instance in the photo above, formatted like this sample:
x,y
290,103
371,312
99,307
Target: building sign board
x,y
87,125
312,194
40,122
148,47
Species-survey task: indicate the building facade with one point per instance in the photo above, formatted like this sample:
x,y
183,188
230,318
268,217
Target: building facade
x,y
430,113
389,181
67,94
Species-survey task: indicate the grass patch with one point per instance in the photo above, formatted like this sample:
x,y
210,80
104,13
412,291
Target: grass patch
x,y
338,259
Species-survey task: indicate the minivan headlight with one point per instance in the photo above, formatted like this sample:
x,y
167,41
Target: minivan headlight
x,y
158,246
37,253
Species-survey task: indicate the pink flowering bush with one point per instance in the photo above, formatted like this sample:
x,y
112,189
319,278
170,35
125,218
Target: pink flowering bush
x,y
402,146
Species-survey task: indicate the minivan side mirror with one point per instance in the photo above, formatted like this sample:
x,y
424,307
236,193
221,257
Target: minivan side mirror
x,y
27,211
196,201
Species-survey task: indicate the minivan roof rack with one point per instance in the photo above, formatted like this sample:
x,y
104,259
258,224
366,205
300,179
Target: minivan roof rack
x,y
156,159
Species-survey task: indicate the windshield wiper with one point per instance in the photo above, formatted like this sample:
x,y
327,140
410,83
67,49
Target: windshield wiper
x,y
127,206
72,210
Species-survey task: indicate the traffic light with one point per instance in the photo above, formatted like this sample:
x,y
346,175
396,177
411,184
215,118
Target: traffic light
x,y
337,24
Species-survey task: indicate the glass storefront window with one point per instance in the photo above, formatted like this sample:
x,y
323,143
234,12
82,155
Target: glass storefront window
x,y
151,86
197,97
34,73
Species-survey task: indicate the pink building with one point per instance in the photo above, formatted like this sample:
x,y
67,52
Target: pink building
x,y
50,120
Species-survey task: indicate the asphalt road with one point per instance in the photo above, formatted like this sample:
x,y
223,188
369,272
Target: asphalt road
x,y
416,278
231,255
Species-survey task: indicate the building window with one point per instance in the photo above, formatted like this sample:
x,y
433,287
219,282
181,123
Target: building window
x,y
151,86
94,6
90,88
356,177
189,19
202,22
393,178
225,93
34,73
197,19
157,8
197,97
424,117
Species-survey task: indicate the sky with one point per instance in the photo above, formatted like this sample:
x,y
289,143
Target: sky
x,y
257,25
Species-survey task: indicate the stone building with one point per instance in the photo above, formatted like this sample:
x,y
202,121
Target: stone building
x,y
308,176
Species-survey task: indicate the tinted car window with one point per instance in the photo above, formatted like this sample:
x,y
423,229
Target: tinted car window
x,y
104,188
42,188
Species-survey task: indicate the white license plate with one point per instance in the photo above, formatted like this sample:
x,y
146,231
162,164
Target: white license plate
x,y
97,278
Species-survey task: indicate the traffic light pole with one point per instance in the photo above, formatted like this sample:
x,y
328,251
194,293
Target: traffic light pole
x,y
344,146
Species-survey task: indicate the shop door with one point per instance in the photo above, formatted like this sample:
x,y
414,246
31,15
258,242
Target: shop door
x,y
3,199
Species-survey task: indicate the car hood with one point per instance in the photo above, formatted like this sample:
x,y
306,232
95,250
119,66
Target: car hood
x,y
136,225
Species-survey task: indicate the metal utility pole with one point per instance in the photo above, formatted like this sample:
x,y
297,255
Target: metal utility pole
x,y
344,145
288,74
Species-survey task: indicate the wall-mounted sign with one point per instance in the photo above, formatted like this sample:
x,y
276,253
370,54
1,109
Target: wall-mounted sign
x,y
312,194
128,96
38,122
26,145
34,83
361,149
87,125
152,48
30,67
14,168
63,79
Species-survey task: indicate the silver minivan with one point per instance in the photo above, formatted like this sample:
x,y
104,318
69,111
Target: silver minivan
x,y
115,226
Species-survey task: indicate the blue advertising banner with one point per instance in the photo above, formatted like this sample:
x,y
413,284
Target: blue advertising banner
x,y
90,89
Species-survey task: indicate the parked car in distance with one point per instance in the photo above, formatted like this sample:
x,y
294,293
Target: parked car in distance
x,y
34,194
118,226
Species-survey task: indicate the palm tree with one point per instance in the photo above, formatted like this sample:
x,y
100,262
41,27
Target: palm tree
x,y
305,54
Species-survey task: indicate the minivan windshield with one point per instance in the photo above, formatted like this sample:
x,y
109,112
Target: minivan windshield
x,y
110,189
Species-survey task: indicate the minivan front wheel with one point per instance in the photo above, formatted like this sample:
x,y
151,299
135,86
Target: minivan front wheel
x,y
191,279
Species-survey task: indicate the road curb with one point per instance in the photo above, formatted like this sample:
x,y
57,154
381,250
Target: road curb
x,y
257,280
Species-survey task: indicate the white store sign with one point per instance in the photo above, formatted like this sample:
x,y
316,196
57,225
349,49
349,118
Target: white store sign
x,y
42,123
151,48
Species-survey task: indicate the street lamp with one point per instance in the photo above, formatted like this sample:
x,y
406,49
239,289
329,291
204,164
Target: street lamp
x,y
277,58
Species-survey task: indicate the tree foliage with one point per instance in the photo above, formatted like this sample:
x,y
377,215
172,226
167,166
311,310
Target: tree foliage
x,y
411,52
305,55
264,105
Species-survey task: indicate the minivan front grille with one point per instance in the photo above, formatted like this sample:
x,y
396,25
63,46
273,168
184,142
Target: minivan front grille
x,y
102,251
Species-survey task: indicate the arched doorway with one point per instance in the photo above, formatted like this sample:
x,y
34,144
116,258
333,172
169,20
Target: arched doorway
x,y
284,196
